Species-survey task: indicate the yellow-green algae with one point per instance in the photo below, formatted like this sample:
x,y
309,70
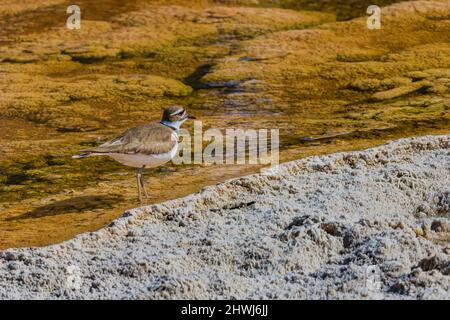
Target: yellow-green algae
x,y
250,64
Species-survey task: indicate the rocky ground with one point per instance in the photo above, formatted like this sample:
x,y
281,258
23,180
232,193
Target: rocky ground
x,y
370,224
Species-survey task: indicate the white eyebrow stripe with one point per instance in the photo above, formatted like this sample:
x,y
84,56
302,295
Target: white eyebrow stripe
x,y
177,112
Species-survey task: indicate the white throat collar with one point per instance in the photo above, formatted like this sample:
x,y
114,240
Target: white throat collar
x,y
174,125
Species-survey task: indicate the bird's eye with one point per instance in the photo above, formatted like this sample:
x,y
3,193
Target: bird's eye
x,y
177,112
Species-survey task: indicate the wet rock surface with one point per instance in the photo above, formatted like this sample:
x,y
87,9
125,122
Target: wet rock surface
x,y
319,76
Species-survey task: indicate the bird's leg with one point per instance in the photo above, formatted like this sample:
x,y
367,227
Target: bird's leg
x,y
138,178
142,183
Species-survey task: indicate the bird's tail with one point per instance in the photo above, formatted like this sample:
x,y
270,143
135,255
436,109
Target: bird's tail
x,y
83,154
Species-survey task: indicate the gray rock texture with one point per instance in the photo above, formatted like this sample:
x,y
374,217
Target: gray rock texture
x,y
372,224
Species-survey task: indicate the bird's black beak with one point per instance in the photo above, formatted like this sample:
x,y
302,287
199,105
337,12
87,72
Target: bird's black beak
x,y
191,117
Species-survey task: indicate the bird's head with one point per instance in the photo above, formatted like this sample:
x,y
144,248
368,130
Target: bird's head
x,y
175,113
174,116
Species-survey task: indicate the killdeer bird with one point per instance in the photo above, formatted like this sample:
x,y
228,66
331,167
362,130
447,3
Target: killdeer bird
x,y
146,146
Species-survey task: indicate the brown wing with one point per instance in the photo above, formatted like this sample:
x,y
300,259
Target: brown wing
x,y
148,139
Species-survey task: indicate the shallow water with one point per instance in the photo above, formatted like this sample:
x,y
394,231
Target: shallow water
x,y
47,197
